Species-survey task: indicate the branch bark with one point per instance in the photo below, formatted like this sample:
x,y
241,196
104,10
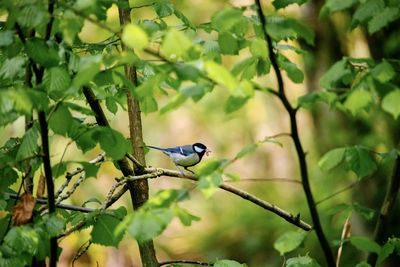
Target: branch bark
x,y
386,210
139,190
330,260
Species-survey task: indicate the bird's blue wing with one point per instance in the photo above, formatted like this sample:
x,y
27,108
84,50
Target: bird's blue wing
x,y
184,150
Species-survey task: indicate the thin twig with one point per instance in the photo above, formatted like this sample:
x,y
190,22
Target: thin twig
x,y
337,193
60,206
82,250
285,180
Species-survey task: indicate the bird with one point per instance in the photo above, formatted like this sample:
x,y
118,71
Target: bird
x,y
185,156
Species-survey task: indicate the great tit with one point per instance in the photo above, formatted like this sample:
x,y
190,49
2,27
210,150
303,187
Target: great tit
x,y
185,156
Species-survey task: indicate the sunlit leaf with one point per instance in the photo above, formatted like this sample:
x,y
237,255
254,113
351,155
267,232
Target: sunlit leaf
x,y
382,19
332,158
365,244
358,100
134,37
146,225
302,261
282,28
359,160
289,241
103,231
390,103
175,45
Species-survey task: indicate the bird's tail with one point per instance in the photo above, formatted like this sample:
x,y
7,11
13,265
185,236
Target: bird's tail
x,y
158,148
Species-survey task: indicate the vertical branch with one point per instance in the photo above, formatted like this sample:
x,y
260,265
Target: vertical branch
x,y
44,132
386,210
139,190
297,143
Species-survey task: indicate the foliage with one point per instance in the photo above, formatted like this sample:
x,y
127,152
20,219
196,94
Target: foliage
x,y
46,66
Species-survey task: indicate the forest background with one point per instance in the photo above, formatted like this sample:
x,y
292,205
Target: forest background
x,y
298,100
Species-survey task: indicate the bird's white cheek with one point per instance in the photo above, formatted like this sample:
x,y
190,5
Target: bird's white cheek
x,y
198,149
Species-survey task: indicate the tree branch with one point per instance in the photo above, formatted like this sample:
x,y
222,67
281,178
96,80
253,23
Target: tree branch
x,y
186,262
330,260
295,220
386,210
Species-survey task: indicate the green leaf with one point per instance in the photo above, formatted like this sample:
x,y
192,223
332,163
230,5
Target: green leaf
x,y
184,19
358,100
32,15
90,169
294,73
246,150
284,3
42,53
242,65
56,81
382,19
175,45
309,100
332,6
70,25
226,19
148,105
165,198
54,225
11,67
209,184
259,49
383,72
234,103
112,142
390,103
367,213
233,176
363,264
184,216
332,158
6,38
338,74
60,120
221,75
89,66
289,241
386,251
302,261
210,166
29,145
228,43
111,105
359,160
163,9
8,177
366,10
186,72
146,225
176,102
282,28
103,231
134,37
228,263
365,244
23,239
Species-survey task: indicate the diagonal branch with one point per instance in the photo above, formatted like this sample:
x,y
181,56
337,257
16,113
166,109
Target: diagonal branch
x,y
330,260
295,220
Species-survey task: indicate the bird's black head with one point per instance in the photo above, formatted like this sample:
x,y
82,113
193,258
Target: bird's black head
x,y
199,148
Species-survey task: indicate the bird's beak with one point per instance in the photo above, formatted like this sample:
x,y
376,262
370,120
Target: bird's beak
x,y
208,152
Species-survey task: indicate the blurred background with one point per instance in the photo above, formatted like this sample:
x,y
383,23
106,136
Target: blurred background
x,y
231,228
